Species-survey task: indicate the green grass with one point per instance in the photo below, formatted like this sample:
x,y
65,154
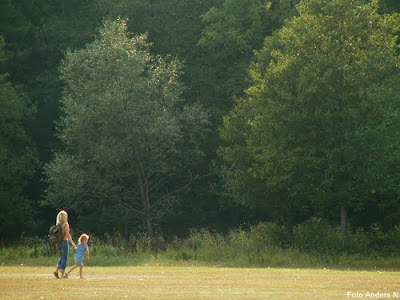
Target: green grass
x,y
273,258
261,246
312,244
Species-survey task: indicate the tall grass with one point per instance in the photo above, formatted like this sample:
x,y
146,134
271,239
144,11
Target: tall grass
x,y
312,244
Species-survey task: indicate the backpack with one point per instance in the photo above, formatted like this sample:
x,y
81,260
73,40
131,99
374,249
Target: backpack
x,y
55,234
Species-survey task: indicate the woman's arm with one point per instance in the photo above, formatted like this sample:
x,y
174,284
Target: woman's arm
x,y
67,235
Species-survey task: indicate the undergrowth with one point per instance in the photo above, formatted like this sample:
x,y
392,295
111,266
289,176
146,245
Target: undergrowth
x,y
313,244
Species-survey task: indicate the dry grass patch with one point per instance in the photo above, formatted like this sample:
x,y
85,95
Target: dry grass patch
x,y
160,282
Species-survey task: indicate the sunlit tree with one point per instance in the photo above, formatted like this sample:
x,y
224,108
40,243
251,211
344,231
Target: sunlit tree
x,y
319,127
128,137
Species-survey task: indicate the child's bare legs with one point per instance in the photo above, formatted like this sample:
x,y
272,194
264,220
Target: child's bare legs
x,y
81,271
72,268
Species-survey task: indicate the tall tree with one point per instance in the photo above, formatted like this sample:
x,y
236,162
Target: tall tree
x,y
126,132
175,27
37,33
233,29
319,126
18,159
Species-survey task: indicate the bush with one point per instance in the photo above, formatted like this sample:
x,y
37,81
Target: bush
x,y
239,247
314,243
269,235
317,236
385,243
206,245
358,242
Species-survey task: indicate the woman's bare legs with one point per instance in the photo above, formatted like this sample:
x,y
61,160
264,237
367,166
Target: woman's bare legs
x,y
56,272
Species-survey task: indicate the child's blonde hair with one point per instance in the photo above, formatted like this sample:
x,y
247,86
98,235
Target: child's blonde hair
x,y
83,237
62,217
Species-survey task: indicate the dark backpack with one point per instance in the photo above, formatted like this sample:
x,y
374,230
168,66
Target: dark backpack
x,y
55,234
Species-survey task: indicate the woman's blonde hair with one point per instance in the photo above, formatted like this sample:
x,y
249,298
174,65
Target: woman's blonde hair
x,y
83,236
62,217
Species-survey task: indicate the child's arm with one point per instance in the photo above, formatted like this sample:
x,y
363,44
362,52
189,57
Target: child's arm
x,y
87,251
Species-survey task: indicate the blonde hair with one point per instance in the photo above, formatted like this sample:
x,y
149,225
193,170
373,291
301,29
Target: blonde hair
x,y
62,217
83,237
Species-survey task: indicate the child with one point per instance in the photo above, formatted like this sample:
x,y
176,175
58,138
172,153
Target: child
x,y
80,253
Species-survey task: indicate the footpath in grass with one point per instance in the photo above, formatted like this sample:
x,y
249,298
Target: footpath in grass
x,y
194,282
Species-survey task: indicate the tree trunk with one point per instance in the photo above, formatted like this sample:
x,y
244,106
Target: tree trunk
x,y
126,229
146,205
149,225
343,224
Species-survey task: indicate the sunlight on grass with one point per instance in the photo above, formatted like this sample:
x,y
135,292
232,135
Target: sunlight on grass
x,y
193,282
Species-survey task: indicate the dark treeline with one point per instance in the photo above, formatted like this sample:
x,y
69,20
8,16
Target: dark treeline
x,y
166,115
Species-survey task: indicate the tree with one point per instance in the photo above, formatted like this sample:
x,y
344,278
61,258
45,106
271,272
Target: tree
x,y
319,125
129,139
37,33
18,159
217,73
233,29
175,27
390,6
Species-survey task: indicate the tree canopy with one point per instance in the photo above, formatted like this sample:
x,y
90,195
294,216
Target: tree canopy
x,y
318,128
17,156
126,131
306,88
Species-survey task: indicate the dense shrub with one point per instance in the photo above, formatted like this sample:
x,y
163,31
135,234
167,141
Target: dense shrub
x,y
204,245
317,236
384,243
314,243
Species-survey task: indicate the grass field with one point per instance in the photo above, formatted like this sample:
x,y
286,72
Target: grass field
x,y
166,282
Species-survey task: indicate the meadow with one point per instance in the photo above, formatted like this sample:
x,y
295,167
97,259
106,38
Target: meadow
x,y
197,282
254,264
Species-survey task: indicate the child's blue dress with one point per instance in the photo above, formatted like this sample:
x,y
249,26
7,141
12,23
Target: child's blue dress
x,y
80,253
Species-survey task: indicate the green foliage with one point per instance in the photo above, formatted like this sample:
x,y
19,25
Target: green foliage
x,y
317,236
389,6
240,246
314,244
383,242
125,132
17,157
232,31
216,40
318,128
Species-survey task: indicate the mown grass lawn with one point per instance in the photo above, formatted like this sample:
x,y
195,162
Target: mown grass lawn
x,y
167,282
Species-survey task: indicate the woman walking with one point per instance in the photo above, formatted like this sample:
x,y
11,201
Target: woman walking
x,y
62,221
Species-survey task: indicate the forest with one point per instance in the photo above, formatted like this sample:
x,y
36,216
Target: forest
x,y
161,117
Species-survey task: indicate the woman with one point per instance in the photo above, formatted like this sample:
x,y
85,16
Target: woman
x,y
62,221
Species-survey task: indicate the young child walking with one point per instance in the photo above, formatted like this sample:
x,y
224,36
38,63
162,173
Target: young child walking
x,y
81,249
